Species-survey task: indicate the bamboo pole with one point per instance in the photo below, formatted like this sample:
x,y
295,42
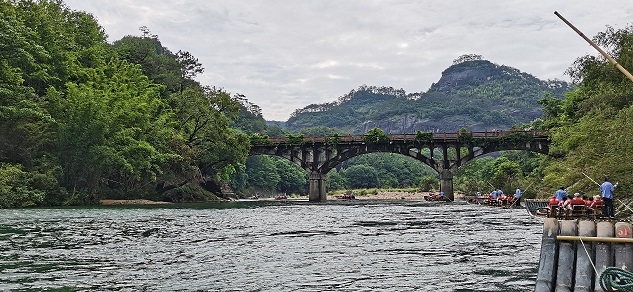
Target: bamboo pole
x,y
584,274
545,279
594,238
603,250
611,60
566,259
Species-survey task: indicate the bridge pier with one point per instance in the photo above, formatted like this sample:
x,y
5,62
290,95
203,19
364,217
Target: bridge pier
x,y
446,183
317,187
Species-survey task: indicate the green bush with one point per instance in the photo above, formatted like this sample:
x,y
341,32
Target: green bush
x,y
16,188
376,135
428,183
423,137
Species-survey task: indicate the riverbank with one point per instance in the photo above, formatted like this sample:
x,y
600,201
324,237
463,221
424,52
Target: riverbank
x,y
379,196
397,195
131,202
390,195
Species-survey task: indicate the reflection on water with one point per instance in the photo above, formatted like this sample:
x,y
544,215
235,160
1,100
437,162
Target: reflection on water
x,y
271,246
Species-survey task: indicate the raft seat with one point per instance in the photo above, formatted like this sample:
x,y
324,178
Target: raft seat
x,y
595,212
553,211
578,211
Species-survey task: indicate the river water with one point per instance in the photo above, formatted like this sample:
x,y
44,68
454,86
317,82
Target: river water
x,y
270,246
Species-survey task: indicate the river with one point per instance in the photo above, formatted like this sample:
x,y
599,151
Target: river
x,y
270,246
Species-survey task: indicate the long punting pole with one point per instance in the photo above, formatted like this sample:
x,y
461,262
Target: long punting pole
x,y
613,62
597,239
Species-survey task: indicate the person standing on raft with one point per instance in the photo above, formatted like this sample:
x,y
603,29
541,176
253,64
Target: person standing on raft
x,y
517,196
607,189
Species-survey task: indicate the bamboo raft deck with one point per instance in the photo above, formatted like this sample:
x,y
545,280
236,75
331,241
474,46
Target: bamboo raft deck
x,y
574,253
481,200
533,206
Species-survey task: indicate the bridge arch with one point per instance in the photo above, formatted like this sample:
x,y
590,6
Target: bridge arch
x,y
319,155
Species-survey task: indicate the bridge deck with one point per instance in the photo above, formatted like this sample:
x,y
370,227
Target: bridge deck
x,y
408,137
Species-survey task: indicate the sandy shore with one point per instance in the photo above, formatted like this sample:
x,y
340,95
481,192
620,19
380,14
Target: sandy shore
x,y
131,202
384,195
381,195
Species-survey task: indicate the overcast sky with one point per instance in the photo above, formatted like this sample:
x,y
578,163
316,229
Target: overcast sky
x,y
286,54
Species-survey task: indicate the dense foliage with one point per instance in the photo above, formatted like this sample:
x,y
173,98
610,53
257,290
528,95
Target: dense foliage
x,y
593,126
507,172
81,119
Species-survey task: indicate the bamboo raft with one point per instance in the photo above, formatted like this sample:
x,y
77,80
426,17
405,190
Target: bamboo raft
x,y
536,207
484,200
574,253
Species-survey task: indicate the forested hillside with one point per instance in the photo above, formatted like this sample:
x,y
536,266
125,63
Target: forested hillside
x,y
473,93
593,126
82,119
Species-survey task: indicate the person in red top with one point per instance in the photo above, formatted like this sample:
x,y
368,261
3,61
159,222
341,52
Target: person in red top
x,y
589,202
553,201
596,206
565,203
577,200
597,201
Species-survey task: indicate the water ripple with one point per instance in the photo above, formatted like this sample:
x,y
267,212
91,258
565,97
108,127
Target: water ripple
x,y
365,246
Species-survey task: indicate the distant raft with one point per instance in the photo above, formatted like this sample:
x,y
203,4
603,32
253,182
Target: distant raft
x,y
436,198
504,202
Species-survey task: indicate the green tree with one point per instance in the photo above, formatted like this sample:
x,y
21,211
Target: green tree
x,y
292,178
115,134
428,183
394,170
386,179
361,176
45,46
16,187
261,173
507,174
376,135
335,181
157,62
475,176
250,119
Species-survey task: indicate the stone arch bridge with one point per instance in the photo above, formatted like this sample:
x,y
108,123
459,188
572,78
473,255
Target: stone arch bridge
x,y
444,152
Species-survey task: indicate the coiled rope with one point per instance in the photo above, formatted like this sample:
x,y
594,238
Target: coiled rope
x,y
616,279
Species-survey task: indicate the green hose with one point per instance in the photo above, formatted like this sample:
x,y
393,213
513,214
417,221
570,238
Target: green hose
x,y
615,279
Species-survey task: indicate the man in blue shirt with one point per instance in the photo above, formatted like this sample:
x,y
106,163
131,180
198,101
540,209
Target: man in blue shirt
x,y
607,190
517,196
561,194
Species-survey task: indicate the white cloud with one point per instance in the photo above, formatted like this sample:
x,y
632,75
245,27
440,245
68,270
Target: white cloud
x,y
325,64
285,54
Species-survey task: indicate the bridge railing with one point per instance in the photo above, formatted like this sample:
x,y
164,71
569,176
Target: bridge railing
x,y
447,136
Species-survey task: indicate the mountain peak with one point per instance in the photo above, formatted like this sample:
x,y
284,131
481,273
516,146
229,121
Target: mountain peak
x,y
472,93
471,73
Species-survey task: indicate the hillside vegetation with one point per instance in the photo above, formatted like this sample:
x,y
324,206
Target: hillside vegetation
x,y
83,120
593,126
473,93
